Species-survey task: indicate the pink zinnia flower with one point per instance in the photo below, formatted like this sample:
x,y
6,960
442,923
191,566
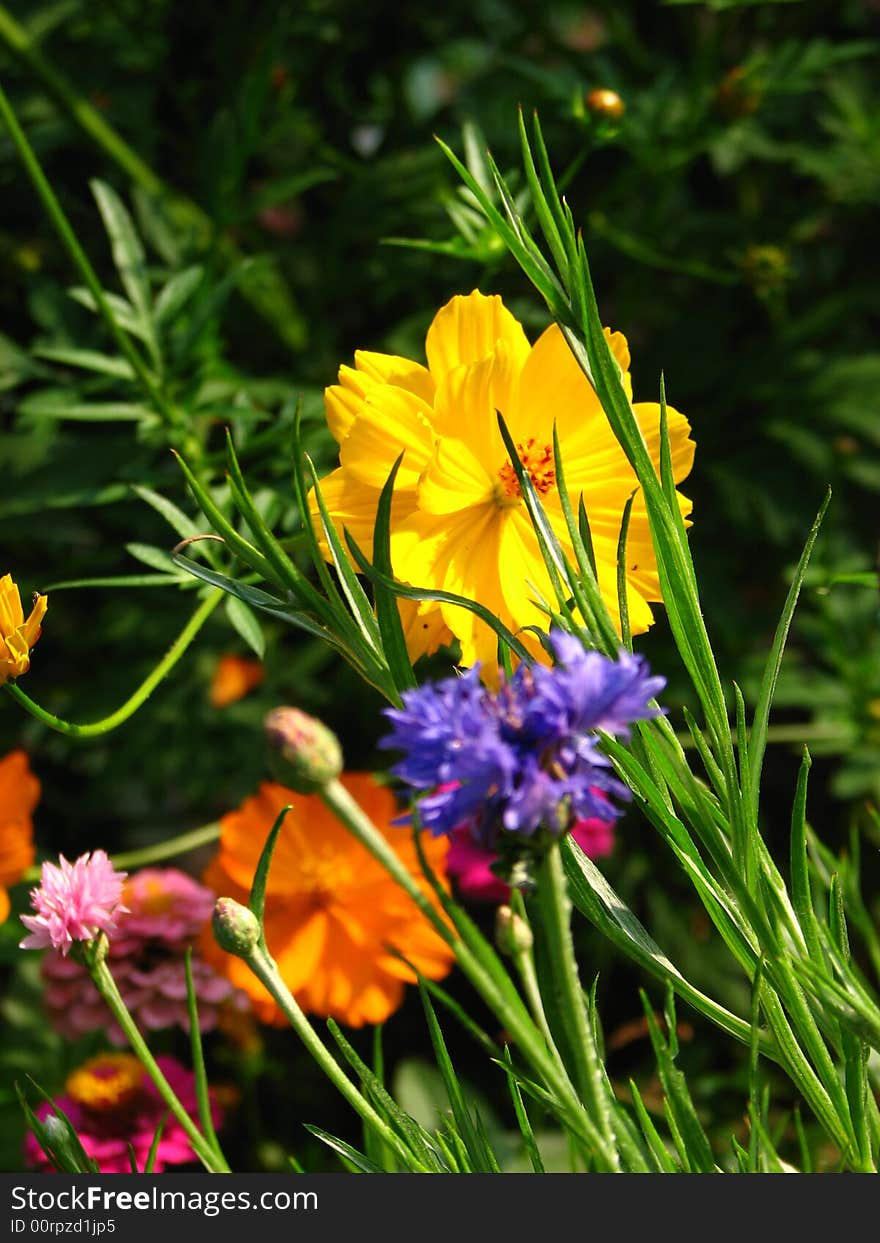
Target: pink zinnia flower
x,y
470,864
112,1102
74,902
166,911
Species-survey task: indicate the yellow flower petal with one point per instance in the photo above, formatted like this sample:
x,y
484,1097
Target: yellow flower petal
x,y
553,387
17,636
424,629
467,403
468,329
524,577
392,369
11,614
388,422
464,528
342,401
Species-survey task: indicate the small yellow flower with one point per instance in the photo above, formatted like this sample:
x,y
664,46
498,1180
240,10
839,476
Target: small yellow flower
x,y
17,636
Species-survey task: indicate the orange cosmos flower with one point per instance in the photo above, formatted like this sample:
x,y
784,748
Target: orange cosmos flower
x,y
332,912
19,794
17,636
233,678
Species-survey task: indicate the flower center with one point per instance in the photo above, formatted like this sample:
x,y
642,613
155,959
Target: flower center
x,y
537,461
106,1082
151,897
322,876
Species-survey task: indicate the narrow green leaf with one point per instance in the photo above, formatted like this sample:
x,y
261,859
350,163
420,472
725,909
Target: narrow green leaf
x,y
387,610
663,1162
426,593
128,253
349,1154
155,558
242,548
121,310
801,895
87,360
481,1158
257,900
694,1147
622,595
150,1163
522,1118
761,717
415,1136
247,625
62,404
596,899
203,1097
174,295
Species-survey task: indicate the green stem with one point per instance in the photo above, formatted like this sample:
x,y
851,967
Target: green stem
x,y
213,1161
555,910
515,1021
129,859
95,728
80,261
179,845
264,968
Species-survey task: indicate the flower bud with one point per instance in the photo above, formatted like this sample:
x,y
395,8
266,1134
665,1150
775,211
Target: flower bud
x,y
305,753
605,103
236,928
62,1140
512,934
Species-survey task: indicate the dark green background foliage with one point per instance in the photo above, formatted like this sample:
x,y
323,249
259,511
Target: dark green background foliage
x,y
286,163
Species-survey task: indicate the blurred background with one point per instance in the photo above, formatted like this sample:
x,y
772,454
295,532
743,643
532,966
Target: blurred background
x,y
278,163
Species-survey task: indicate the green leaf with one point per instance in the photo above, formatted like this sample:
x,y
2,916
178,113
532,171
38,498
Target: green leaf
x,y
482,1159
349,1154
120,309
694,1148
257,900
247,625
387,611
417,1139
62,404
128,253
760,720
88,360
174,295
522,1117
203,1096
595,898
155,558
150,1163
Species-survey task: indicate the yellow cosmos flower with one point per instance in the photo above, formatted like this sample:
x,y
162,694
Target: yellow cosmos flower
x,y
458,521
17,636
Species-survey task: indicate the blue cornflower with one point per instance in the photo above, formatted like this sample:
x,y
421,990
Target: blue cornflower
x,y
526,758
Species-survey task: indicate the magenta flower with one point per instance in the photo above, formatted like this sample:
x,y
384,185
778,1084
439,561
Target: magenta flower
x,y
470,864
165,913
112,1102
74,902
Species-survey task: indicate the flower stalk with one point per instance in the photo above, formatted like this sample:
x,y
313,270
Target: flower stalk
x,y
514,1017
208,1153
